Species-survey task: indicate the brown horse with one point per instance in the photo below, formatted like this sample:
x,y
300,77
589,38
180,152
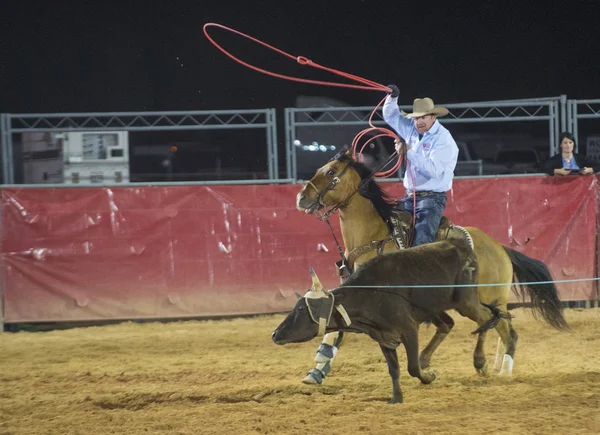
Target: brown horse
x,y
365,211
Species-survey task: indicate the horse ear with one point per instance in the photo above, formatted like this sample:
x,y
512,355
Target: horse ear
x,y
317,286
298,295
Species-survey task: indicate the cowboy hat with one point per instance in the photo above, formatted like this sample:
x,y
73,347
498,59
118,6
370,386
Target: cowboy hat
x,y
425,106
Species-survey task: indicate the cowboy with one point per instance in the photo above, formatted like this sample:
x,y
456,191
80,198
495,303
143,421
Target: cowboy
x,y
431,153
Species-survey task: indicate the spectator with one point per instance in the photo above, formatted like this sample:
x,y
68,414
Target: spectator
x,y
567,162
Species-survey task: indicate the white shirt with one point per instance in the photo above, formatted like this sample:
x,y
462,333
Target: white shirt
x,y
432,159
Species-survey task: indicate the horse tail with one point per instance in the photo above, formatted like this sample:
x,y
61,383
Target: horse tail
x,y
544,297
497,315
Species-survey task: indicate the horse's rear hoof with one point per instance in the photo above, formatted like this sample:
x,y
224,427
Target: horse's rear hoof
x,y
393,401
507,366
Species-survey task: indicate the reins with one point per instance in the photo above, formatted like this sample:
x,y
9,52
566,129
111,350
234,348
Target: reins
x,y
325,216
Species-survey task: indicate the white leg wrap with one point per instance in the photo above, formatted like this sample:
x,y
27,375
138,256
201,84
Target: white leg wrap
x,y
330,338
507,365
320,366
499,355
322,359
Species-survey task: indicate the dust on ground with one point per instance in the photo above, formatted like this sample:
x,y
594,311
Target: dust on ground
x,y
227,376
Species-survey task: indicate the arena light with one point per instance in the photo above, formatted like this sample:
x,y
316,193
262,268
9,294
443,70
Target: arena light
x,y
315,146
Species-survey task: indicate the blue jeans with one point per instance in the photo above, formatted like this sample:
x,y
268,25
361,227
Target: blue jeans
x,y
430,209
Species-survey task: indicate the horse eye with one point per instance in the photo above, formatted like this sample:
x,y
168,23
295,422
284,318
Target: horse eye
x,y
330,173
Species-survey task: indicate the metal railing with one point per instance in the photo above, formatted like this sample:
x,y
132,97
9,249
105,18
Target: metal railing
x,y
558,112
581,109
137,122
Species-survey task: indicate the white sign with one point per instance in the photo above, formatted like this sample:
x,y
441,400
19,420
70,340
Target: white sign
x,y
593,147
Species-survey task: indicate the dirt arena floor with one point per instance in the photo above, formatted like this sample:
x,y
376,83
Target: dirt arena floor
x,y
227,377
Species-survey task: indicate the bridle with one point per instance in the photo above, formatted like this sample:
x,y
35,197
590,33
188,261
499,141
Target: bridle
x,y
325,216
331,186
334,182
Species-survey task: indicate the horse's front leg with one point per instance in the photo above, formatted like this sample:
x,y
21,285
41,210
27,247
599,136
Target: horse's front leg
x,y
444,324
391,357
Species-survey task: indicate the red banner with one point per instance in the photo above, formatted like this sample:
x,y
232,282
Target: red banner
x,y
131,252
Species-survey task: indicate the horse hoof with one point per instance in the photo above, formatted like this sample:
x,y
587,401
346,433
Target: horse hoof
x,y
429,376
483,371
393,401
507,366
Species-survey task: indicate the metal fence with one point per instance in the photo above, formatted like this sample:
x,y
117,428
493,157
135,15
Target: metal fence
x,y
558,113
541,109
581,109
137,122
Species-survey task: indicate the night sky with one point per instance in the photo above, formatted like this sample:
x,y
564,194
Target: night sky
x,y
150,55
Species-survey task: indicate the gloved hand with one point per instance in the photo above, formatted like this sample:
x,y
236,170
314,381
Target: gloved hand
x,y
395,91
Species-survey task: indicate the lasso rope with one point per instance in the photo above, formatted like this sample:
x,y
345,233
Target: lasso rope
x,y
365,84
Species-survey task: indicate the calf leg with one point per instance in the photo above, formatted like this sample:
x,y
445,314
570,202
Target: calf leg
x,y
391,357
324,357
444,324
410,339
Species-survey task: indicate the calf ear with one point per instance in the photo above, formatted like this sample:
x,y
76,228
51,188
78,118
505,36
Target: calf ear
x,y
298,296
317,286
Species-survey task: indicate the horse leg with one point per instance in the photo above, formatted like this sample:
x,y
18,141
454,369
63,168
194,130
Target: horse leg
x,y
444,324
473,309
324,357
391,357
479,361
410,339
509,337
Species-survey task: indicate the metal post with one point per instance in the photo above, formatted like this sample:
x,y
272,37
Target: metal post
x,y
269,144
575,122
9,151
293,146
569,116
288,142
272,133
563,113
4,143
290,137
551,131
556,125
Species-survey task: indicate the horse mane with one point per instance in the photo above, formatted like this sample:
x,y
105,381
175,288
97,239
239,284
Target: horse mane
x,y
383,203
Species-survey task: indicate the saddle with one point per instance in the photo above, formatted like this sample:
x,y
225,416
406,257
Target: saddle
x,y
402,227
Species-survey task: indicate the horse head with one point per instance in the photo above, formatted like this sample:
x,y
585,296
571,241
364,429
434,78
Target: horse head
x,y
332,184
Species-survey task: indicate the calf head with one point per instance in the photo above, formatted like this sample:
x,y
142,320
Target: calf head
x,y
309,317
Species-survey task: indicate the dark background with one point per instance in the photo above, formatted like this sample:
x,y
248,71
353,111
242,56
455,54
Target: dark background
x,y
77,56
